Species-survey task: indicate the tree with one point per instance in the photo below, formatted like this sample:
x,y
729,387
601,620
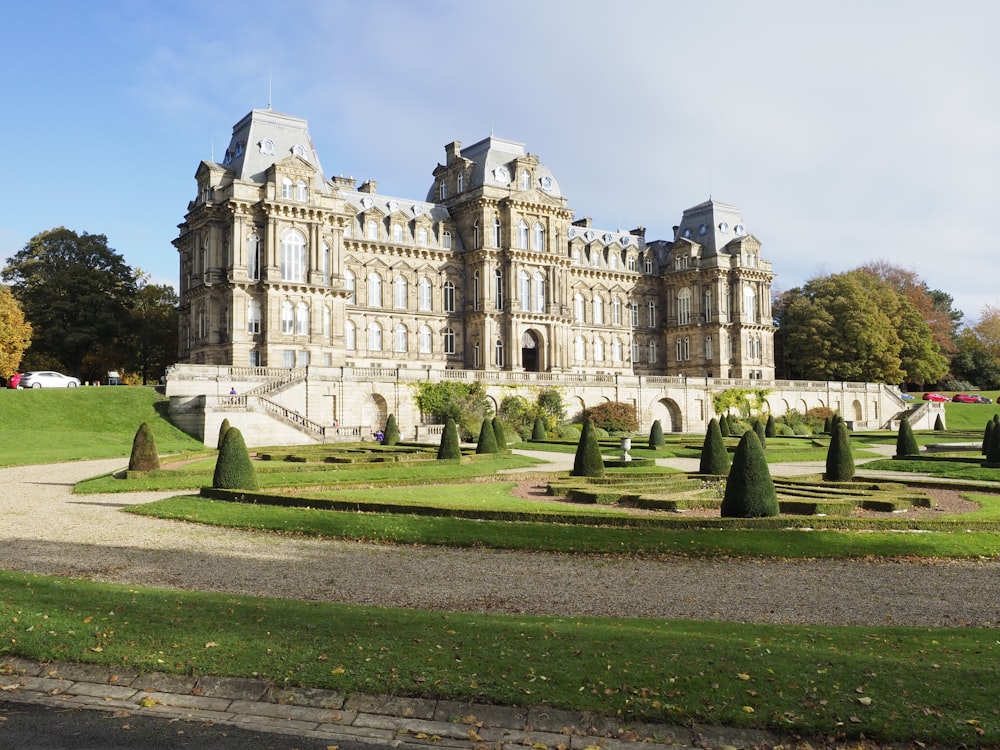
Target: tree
x,y
538,433
656,435
993,450
233,468
223,429
390,436
588,461
487,438
151,343
144,456
614,416
839,460
906,443
770,429
724,427
465,402
978,357
750,490
500,435
714,456
758,427
77,293
987,436
15,333
449,447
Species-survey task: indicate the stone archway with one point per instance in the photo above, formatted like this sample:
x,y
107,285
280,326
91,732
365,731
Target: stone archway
x,y
531,352
859,414
669,413
374,412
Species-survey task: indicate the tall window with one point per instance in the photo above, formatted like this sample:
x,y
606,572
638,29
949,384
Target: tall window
x,y
476,356
293,256
616,350
496,233
616,311
579,350
449,340
634,312
287,189
449,297
498,351
524,289
253,257
749,303
287,317
475,290
651,309
647,264
446,240
324,263
400,338
538,237
327,316
684,306
424,293
399,292
301,191
350,336
651,352
253,316
422,236
371,230
708,347
598,349
635,352
302,319
374,290
442,191
461,182
349,287
498,289
424,340
683,347
477,235
397,233
706,305
522,235
525,179
578,309
374,337
630,263
598,310
538,284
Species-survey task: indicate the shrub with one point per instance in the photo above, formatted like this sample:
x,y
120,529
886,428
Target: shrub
x,y
499,435
223,429
568,431
233,468
839,460
464,402
144,456
588,461
614,416
906,444
517,412
714,456
993,452
750,490
724,425
656,435
828,426
986,437
449,447
938,424
487,442
770,429
538,429
390,436
760,431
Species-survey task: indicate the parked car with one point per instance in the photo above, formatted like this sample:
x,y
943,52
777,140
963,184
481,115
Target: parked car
x,y
14,380
48,379
905,396
965,398
935,397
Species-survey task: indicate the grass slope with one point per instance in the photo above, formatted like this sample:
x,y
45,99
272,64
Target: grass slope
x,y
47,425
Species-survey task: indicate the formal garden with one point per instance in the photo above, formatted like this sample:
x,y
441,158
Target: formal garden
x,y
930,495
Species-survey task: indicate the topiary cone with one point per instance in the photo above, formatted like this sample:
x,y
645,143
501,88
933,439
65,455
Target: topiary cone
x,y
714,456
487,438
906,443
233,468
588,461
144,456
538,432
656,435
223,429
449,447
750,490
839,460
499,435
390,436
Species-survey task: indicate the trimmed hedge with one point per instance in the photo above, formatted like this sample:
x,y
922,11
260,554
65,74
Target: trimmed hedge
x,y
144,456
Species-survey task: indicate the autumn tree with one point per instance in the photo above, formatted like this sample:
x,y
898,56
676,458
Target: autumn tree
x,y
76,292
15,333
978,357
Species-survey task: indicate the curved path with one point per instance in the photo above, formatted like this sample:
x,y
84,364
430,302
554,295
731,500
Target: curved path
x,y
48,530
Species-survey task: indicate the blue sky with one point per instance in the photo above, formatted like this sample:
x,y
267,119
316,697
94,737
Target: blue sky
x,y
846,132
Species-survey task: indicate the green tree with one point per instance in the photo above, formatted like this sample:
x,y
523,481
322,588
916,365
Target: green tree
x,y
449,447
144,456
151,343
978,350
714,456
500,435
77,294
465,402
487,438
656,435
538,433
588,461
233,468
750,490
15,333
839,459
390,435
906,443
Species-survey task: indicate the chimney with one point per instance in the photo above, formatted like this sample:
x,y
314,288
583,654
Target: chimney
x,y
368,186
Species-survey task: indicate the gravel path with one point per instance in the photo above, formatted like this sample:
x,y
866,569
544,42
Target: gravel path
x,y
49,530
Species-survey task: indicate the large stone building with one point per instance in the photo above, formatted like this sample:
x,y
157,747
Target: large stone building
x,y
282,267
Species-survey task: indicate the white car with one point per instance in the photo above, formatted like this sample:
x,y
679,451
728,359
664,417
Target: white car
x,y
48,379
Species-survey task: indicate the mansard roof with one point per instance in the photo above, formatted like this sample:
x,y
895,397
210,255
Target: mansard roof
x,y
491,163
711,224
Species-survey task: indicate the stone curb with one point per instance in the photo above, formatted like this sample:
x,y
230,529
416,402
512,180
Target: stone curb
x,y
324,714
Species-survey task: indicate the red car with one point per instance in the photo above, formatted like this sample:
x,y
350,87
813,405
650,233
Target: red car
x,y
965,398
935,397
14,380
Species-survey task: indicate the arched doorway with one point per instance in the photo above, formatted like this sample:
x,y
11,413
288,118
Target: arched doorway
x,y
530,352
669,413
374,413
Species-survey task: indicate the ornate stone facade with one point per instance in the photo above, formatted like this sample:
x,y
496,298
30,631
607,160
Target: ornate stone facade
x,y
281,267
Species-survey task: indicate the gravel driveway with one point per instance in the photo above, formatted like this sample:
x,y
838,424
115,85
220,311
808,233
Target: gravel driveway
x,y
49,530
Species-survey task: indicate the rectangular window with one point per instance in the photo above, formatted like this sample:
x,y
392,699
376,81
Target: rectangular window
x,y
289,357
635,314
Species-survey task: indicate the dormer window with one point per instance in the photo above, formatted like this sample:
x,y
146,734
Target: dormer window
x,y
461,183
287,189
442,191
301,190
525,179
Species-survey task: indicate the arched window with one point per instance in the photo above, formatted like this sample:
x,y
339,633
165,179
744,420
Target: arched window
x,y
651,352
578,309
595,257
706,305
598,310
477,235
301,191
446,240
253,257
287,317
647,264
400,338
684,307
708,347
475,290
498,349
538,289
449,297
476,356
287,188
651,311
449,340
750,303
293,256
397,233
349,287
616,311
253,316
350,336
424,340
635,352
424,293
498,289
522,235
579,349
634,314
374,290
374,337
616,350
399,292
612,259
538,237
598,349
524,289
302,319
496,232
